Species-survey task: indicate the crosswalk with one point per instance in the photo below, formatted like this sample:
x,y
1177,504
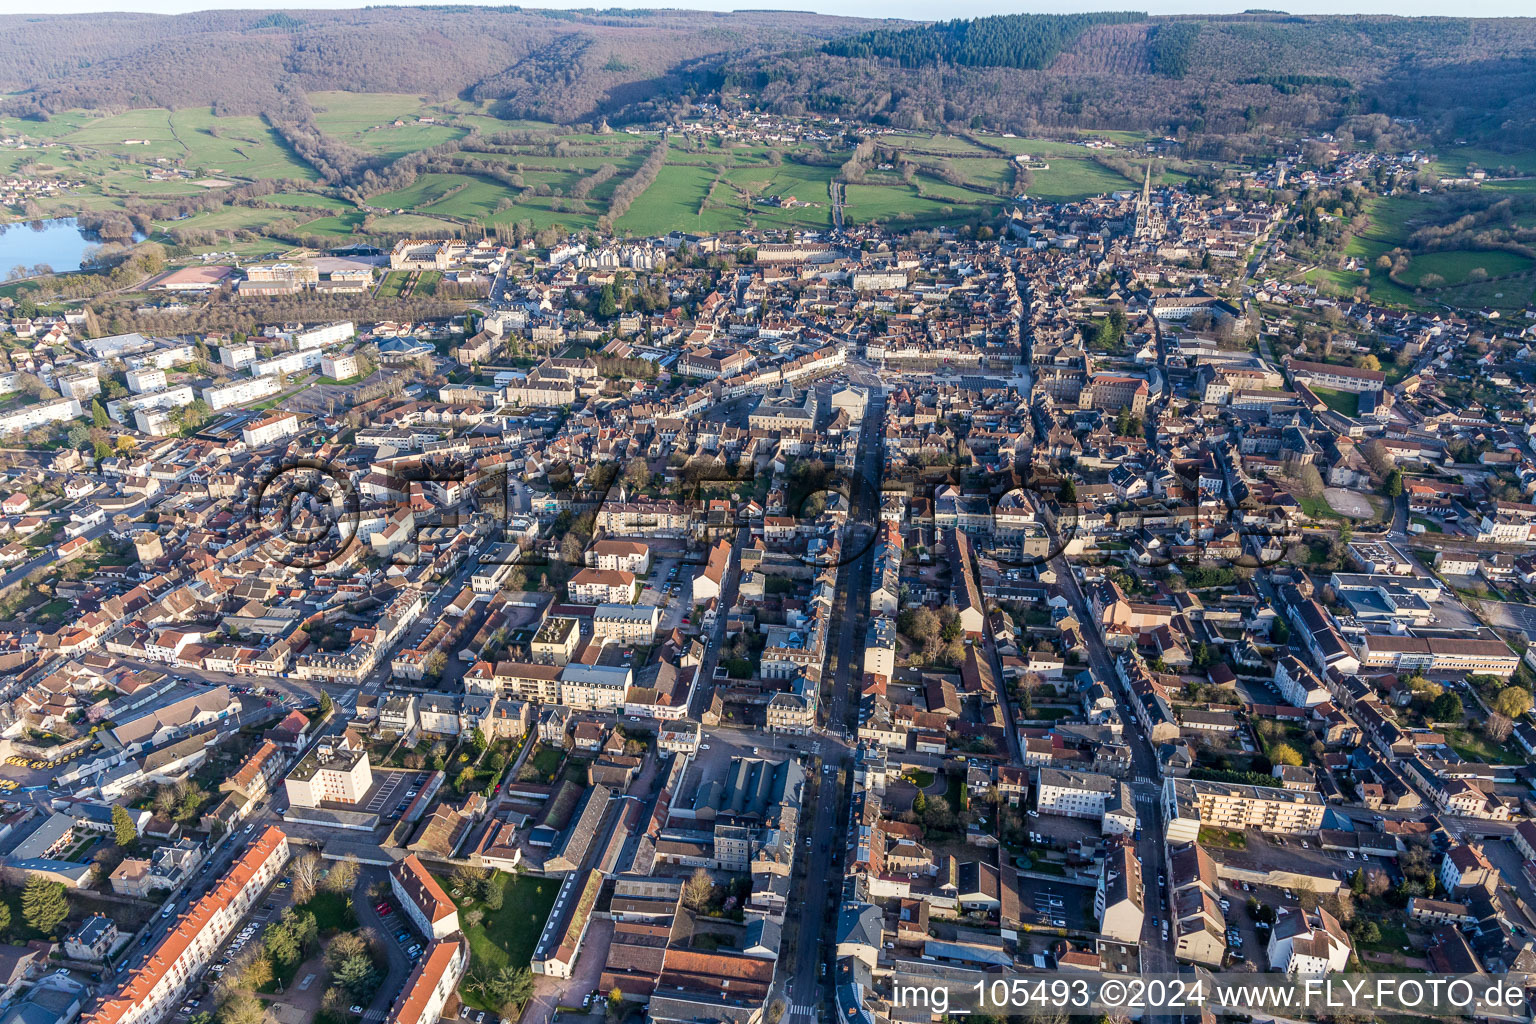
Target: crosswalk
x,y
798,1013
1142,780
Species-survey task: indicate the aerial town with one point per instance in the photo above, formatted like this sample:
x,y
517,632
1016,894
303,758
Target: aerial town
x,y
743,626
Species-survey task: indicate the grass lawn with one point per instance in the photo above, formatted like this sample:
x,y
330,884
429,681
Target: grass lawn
x,y
546,760
1317,508
506,936
1345,403
333,911
921,779
676,199
1393,938
902,207
1454,266
956,793
1474,746
1225,837
1430,526
389,287
54,611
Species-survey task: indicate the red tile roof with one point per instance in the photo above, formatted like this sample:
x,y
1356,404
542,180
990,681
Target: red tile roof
x,y
137,987
423,889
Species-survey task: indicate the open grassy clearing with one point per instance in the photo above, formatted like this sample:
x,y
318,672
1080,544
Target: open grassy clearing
x,y
1510,296
1345,403
902,206
230,218
309,199
673,202
342,113
123,132
1453,161
341,225
506,936
1455,265
241,146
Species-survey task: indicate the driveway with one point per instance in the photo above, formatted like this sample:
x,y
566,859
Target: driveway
x,y
398,966
550,993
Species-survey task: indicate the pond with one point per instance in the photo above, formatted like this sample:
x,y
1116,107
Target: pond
x,y
59,244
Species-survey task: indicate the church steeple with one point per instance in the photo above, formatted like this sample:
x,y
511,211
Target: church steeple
x,y
1147,227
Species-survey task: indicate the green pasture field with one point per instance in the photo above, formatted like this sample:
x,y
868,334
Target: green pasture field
x,y
1453,265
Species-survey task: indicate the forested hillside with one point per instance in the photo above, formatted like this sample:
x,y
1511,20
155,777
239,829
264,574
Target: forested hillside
x,y
1229,75
1005,41
556,65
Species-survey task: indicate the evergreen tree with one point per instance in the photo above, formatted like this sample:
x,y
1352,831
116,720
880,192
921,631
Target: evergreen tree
x,y
43,904
122,825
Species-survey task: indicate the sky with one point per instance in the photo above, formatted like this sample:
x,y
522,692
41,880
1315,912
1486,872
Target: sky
x,y
916,9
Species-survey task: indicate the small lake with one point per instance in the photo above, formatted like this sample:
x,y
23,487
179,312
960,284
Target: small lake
x,y
58,243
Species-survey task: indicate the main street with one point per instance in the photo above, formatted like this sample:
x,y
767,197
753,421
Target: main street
x,y
830,788
1156,953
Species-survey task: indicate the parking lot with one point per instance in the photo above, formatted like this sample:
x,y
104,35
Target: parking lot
x,y
392,792
17,770
1060,903
1244,938
669,586
399,929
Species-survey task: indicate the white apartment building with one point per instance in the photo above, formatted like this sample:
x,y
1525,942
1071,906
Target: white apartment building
x,y
1073,794
288,362
327,334
1308,943
1190,803
626,623
153,989
422,899
237,356
272,427
602,586
1298,684
427,989
154,422
880,648
341,367
1118,898
78,385
145,380
38,414
625,555
170,398
594,687
241,392
337,770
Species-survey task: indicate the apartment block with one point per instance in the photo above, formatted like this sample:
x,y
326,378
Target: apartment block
x,y
150,991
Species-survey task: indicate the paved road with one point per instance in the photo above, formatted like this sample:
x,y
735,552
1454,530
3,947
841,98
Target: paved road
x,y
821,882
48,557
1156,955
398,965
